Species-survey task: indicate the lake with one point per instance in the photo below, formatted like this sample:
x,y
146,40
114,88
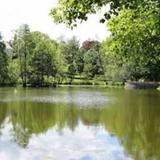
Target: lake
x,y
79,124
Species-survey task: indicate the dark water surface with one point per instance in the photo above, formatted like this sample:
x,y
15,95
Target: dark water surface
x,y
79,124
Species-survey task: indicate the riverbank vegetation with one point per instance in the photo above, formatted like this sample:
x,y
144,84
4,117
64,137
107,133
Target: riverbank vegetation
x,y
34,59
131,52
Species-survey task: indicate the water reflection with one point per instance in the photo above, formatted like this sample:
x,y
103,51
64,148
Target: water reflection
x,y
71,97
128,128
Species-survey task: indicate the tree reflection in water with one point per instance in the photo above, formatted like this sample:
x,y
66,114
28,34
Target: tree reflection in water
x,y
133,119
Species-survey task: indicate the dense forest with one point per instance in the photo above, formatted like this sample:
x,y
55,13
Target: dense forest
x,y
34,59
132,52
133,49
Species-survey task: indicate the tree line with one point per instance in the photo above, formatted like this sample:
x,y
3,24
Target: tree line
x,y
34,59
132,52
133,49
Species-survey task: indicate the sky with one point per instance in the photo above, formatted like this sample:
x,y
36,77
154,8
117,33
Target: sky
x,y
93,143
35,13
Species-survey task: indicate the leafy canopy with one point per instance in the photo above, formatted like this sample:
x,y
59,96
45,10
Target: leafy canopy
x,y
134,42
73,11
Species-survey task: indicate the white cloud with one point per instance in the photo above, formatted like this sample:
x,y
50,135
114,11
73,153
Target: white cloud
x,y
84,143
35,13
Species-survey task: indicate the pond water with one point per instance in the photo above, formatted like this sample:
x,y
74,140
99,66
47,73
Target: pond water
x,y
79,124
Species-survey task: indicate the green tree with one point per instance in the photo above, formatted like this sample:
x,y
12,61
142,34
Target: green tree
x,y
73,11
23,47
43,63
70,53
3,63
62,66
79,60
93,64
13,71
134,43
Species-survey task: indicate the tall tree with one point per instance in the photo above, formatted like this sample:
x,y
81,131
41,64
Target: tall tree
x,y
62,66
93,64
43,63
3,63
23,47
135,42
70,52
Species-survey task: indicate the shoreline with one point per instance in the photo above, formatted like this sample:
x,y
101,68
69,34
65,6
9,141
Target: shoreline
x,y
126,85
141,85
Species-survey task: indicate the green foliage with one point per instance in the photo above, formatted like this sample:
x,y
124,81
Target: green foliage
x,y
133,46
93,61
132,52
43,62
72,57
73,11
61,62
42,65
23,47
79,60
3,63
13,71
36,54
34,59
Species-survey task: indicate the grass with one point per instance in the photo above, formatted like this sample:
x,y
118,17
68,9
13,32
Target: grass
x,y
78,80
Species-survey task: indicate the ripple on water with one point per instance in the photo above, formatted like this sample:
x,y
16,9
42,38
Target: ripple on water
x,y
77,98
80,99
